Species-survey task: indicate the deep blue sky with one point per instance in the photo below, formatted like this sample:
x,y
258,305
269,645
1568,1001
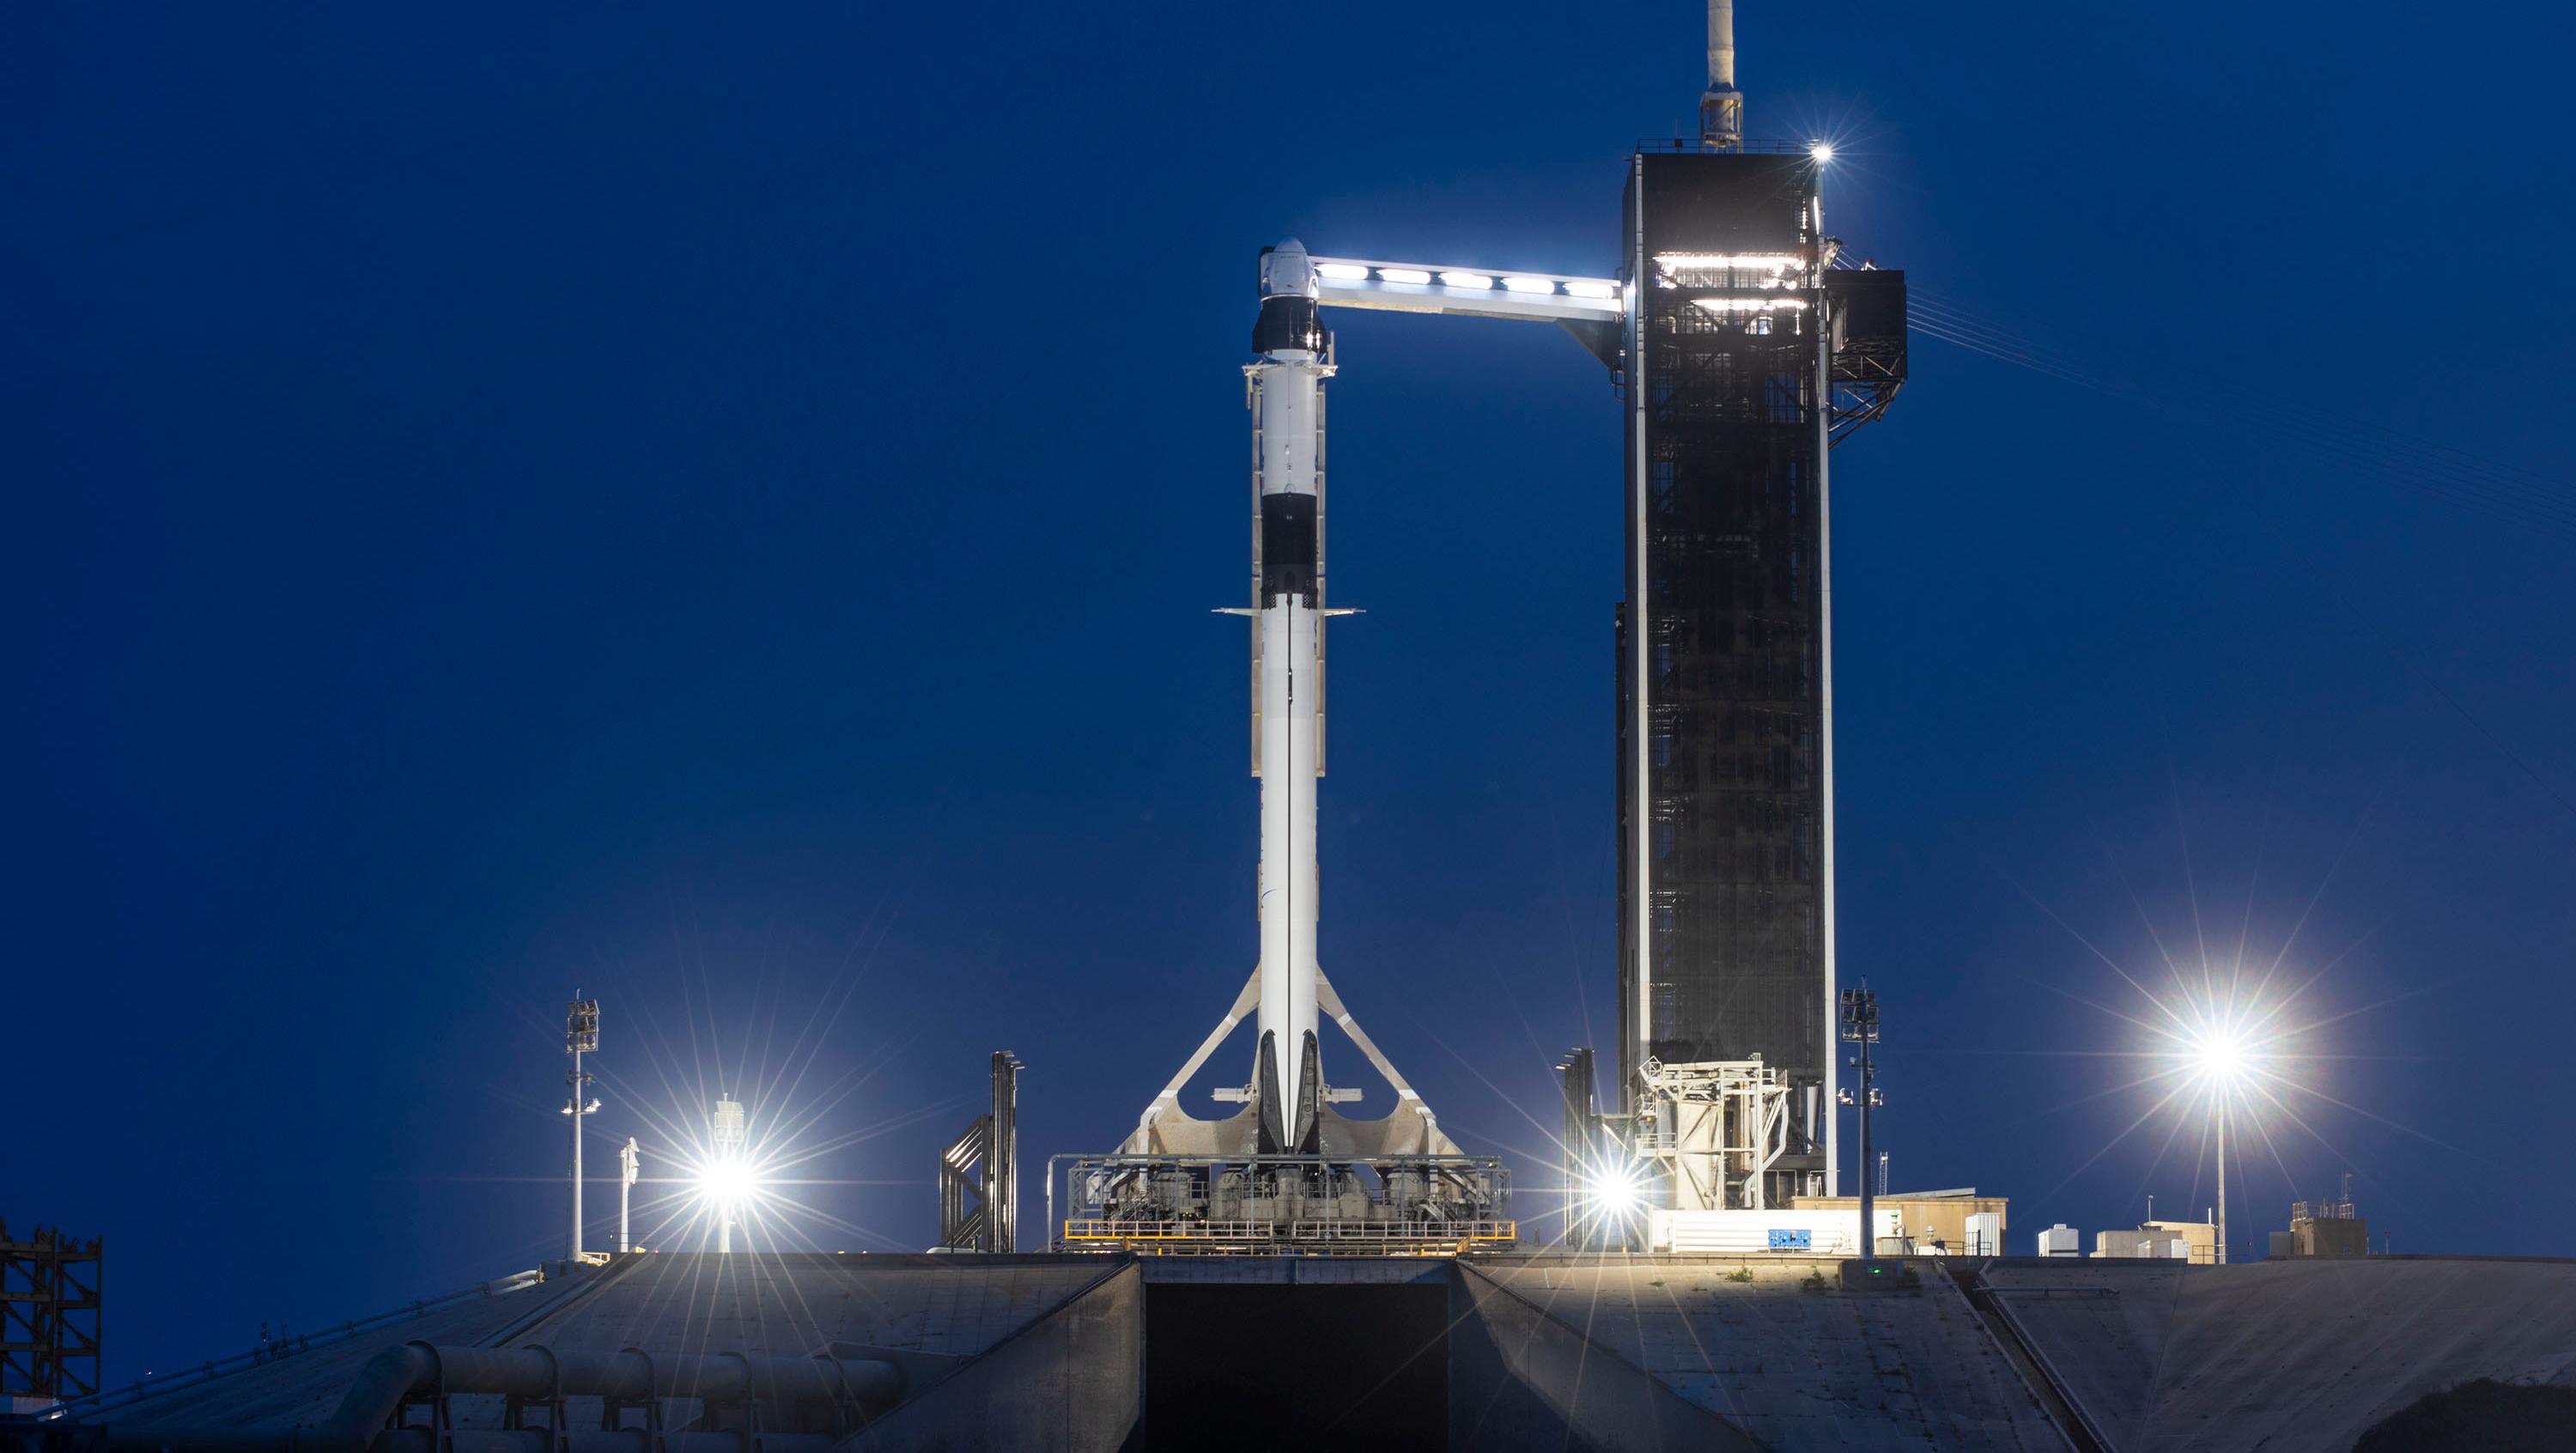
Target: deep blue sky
x,y
721,509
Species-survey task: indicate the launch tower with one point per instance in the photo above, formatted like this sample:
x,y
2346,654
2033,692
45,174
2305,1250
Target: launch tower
x,y
1747,354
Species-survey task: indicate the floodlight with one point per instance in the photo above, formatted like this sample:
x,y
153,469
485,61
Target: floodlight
x,y
1341,271
1530,284
1412,275
1466,280
728,1180
1681,262
581,1027
2219,1056
1822,151
1613,1191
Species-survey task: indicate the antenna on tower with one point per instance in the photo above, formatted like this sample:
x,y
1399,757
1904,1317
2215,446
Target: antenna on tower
x,y
1721,106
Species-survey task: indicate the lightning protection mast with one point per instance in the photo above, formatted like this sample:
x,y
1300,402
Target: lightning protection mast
x,y
1721,106
581,1037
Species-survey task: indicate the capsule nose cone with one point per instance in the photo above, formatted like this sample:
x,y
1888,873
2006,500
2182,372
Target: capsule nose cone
x,y
1286,272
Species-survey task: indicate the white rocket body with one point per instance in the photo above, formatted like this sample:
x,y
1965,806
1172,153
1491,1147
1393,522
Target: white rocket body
x,y
1287,399
1287,895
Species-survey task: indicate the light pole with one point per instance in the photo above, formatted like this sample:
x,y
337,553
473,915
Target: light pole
x,y
581,1036
729,1133
2219,1056
1860,1026
2222,1179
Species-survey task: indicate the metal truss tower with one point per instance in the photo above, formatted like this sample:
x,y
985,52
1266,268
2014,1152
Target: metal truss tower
x,y
49,1316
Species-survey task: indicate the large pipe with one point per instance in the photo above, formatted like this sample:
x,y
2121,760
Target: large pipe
x,y
415,1369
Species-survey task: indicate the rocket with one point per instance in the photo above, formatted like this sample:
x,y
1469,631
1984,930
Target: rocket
x,y
1286,1102
1285,394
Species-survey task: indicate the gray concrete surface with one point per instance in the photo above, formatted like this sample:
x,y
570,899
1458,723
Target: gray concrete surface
x,y
1602,1352
1072,1381
666,1303
1795,1366
2281,1355
1521,1379
299,1387
790,1305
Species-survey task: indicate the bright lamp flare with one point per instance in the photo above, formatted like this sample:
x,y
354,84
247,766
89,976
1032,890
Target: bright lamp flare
x,y
2219,1056
1822,151
1614,1191
729,1181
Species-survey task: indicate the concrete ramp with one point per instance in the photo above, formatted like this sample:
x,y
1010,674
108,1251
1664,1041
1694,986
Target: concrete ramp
x,y
790,1304
683,1304
1072,1380
295,1387
2098,1330
1788,1360
2283,1354
1521,1379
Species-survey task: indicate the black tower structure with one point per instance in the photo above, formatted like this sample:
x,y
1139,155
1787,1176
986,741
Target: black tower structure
x,y
1749,353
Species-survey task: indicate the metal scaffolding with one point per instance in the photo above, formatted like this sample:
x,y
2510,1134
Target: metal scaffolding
x,y
979,1171
49,1315
1306,1205
1713,1130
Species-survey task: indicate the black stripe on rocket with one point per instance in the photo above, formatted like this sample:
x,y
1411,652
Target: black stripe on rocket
x,y
1288,547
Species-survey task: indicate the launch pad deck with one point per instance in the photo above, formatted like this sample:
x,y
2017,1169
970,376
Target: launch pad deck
x,y
1282,1205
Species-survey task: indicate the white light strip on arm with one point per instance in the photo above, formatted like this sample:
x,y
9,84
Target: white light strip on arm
x,y
1681,262
1529,296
